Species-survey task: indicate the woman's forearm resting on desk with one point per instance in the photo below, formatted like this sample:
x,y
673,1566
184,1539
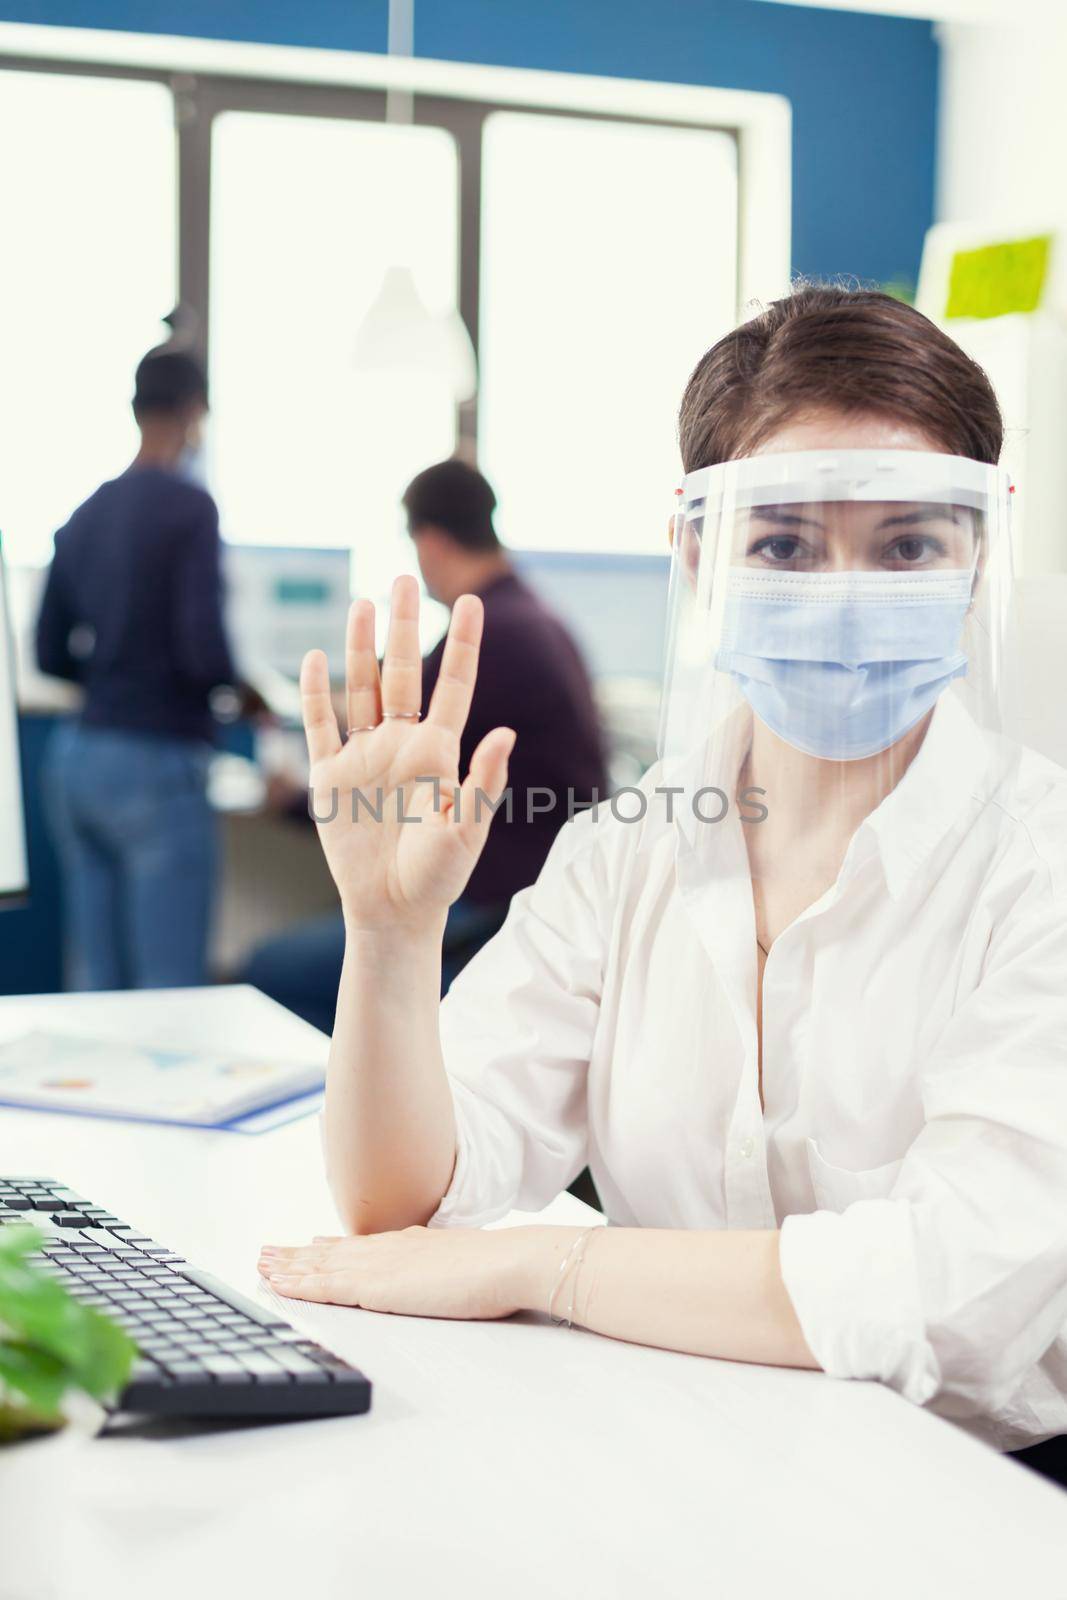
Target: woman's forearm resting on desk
x,y
710,1293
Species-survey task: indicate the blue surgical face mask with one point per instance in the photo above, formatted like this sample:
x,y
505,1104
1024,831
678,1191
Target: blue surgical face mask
x,y
842,664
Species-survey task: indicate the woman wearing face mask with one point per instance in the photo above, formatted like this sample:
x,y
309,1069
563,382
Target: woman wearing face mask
x,y
132,610
800,1003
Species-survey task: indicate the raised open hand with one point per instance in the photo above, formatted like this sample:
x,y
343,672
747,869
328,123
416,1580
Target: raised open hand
x,y
400,831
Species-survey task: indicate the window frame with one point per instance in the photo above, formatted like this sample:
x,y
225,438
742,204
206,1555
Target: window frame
x,y
210,77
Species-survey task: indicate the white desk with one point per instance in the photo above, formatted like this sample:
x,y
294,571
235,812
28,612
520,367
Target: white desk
x,y
512,1458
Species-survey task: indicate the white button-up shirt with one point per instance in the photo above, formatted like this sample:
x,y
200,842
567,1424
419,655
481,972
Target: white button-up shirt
x,y
912,1146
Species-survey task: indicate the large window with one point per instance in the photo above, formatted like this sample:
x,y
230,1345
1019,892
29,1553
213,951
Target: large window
x,y
594,243
87,272
307,213
609,264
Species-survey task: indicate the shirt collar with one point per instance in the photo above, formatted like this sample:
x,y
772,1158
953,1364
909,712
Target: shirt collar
x,y
945,778
950,772
501,582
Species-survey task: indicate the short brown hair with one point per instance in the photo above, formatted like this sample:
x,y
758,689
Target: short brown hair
x,y
454,496
826,347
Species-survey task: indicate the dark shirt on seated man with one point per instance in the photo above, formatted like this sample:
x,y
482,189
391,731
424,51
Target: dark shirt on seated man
x,y
531,678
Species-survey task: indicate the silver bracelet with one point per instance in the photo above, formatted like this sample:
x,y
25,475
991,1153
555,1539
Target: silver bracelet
x,y
578,1245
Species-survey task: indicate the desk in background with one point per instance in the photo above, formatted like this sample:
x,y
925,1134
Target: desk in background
x,y
273,875
511,1458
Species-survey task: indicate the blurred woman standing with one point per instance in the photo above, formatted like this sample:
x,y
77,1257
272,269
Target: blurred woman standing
x,y
132,610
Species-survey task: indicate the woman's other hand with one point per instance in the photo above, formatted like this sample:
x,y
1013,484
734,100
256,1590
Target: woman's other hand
x,y
424,1272
400,833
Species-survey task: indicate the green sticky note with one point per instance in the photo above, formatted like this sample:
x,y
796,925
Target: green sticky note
x,y
999,278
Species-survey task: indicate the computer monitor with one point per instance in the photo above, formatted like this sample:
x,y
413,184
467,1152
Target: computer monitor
x,y
614,605
14,869
283,601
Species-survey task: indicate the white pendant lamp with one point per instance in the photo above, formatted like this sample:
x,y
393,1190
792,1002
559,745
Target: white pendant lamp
x,y
398,333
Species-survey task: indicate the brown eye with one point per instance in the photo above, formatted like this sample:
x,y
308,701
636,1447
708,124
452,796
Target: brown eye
x,y
915,550
781,548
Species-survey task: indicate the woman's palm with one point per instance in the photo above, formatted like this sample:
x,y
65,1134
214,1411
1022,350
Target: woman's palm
x,y
401,833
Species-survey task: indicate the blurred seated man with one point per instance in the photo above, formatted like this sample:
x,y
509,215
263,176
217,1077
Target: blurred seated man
x,y
531,678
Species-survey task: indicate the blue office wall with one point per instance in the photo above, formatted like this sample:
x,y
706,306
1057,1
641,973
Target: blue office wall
x,y
863,87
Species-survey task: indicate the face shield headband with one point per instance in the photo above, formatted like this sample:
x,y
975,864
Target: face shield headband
x,y
830,590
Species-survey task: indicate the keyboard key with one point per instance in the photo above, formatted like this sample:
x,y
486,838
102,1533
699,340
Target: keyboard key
x,y
325,1358
225,1369
230,1297
264,1368
300,1367
344,1376
181,1325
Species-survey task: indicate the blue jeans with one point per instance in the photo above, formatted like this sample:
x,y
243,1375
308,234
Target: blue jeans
x,y
301,968
137,845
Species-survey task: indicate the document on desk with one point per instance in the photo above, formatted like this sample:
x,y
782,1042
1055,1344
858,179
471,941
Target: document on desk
x,y
42,1070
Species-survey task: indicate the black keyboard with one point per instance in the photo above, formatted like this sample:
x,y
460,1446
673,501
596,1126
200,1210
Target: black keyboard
x,y
203,1349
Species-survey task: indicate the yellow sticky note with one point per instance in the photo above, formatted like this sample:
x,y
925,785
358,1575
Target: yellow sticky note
x,y
999,278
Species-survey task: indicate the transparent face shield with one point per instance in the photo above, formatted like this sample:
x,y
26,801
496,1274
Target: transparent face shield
x,y
823,605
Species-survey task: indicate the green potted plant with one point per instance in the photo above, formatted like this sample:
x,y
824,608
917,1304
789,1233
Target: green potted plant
x,y
58,1360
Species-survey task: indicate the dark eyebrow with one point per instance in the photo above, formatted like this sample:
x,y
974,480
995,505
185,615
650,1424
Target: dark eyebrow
x,y
920,515
786,519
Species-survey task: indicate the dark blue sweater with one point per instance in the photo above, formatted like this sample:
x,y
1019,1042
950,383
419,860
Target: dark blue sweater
x,y
133,605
